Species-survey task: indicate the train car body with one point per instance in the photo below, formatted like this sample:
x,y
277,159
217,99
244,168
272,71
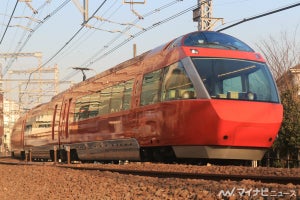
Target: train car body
x,y
202,95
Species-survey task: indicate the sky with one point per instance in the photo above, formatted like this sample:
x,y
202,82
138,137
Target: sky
x,y
55,29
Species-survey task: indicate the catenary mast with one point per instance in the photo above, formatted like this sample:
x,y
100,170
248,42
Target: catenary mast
x,y
203,15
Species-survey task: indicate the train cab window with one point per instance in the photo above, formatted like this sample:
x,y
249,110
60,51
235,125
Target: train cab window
x,y
127,95
150,87
116,97
105,97
209,39
176,84
237,79
233,84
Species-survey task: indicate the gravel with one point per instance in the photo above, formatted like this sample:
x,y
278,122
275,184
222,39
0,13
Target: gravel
x,y
49,182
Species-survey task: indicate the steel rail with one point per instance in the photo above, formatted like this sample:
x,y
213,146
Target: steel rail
x,y
161,174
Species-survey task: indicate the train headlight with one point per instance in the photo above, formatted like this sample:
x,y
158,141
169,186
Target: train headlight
x,y
194,51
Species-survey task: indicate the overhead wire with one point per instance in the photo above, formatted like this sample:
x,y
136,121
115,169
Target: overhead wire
x,y
9,21
135,35
46,18
141,32
4,15
129,27
15,32
96,59
119,35
87,34
259,16
76,33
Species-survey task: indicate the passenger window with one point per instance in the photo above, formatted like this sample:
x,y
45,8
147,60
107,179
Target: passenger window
x,y
116,98
151,87
176,84
105,97
82,108
127,95
94,104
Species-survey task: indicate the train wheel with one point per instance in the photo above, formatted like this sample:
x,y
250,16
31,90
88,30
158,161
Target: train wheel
x,y
62,155
74,155
158,154
146,155
23,156
164,154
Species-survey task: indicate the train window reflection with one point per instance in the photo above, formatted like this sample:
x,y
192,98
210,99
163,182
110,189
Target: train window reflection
x,y
39,124
169,83
127,95
176,84
94,104
116,99
150,88
105,96
108,100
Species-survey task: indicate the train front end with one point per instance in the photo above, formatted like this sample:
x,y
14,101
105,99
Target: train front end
x,y
237,112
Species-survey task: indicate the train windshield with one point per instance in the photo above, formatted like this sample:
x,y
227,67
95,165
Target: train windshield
x,y
209,39
237,79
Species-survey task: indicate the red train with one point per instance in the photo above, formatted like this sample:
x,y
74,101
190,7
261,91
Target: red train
x,y
202,95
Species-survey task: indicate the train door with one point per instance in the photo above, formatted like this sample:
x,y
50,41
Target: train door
x,y
55,125
22,139
64,122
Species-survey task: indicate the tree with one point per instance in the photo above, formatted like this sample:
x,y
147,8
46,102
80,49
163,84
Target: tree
x,y
283,58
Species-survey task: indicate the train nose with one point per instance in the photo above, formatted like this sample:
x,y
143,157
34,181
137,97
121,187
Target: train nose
x,y
253,135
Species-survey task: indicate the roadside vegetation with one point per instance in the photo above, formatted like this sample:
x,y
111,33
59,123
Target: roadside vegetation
x,y
283,57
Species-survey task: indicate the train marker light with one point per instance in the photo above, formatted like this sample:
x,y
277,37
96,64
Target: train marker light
x,y
251,96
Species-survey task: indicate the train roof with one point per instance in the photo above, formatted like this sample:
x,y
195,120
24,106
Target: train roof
x,y
204,39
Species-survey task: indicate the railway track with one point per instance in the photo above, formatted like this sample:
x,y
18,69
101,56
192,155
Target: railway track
x,y
190,175
162,173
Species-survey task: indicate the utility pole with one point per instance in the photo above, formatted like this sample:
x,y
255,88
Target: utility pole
x,y
84,9
36,90
203,15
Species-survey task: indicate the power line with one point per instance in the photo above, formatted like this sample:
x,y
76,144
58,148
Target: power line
x,y
52,57
259,16
11,16
129,27
33,30
124,30
141,32
85,35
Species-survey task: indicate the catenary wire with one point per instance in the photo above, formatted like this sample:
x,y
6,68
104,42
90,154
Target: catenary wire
x,y
9,22
34,29
259,16
52,57
118,36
